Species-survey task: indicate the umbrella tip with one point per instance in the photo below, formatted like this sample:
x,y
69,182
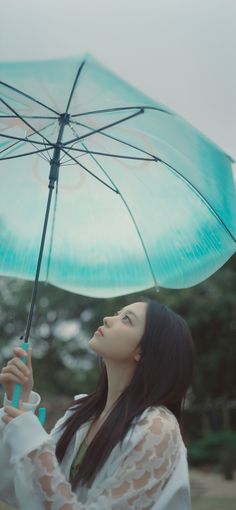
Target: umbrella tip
x,y
87,56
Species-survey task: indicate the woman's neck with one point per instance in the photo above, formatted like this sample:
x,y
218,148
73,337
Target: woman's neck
x,y
118,376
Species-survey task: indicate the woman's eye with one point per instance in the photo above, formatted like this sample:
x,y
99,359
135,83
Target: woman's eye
x,y
126,317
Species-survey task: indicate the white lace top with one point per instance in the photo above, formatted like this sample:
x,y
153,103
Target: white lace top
x,y
149,470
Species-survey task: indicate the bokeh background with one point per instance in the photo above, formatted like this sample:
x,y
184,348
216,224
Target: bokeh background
x,y
181,53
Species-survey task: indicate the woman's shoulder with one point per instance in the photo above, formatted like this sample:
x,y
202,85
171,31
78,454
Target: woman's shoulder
x,y
160,411
156,429
158,420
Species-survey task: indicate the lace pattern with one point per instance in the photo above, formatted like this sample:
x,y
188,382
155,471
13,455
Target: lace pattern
x,y
137,482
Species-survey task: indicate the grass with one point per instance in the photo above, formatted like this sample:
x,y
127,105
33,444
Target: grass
x,y
206,503
198,503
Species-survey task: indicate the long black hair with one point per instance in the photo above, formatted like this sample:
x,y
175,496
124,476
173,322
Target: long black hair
x,y
162,377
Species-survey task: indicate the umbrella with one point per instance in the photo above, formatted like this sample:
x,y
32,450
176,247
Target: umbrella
x,y
141,198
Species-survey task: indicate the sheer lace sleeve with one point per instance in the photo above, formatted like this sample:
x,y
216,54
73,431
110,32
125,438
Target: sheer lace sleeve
x,y
137,482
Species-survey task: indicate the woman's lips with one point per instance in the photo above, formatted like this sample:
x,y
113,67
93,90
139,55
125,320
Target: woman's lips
x,y
99,332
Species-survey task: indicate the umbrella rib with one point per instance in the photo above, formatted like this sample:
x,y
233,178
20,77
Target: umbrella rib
x,y
201,196
29,97
74,85
87,170
19,139
32,142
112,155
9,146
25,154
105,127
28,117
25,122
45,158
121,108
132,218
155,158
198,193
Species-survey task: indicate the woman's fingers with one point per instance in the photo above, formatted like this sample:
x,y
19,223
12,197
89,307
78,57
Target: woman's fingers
x,y
9,377
29,364
13,370
17,372
20,352
12,379
16,362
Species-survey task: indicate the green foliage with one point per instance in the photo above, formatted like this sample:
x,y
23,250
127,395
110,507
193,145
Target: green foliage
x,y
210,311
215,448
63,363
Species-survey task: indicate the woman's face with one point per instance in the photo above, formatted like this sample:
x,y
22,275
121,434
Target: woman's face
x,y
120,334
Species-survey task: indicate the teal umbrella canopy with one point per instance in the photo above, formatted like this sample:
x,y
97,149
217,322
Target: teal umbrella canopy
x,y
141,197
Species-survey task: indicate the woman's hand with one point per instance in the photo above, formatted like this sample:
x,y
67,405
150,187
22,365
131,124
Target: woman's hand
x,y
11,413
17,372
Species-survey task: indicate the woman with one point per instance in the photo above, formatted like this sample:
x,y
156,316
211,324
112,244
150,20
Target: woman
x,y
119,447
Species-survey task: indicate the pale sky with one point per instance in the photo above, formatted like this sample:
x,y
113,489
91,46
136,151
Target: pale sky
x,y
181,53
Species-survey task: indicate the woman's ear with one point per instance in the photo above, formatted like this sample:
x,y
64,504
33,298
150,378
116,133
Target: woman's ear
x,y
137,356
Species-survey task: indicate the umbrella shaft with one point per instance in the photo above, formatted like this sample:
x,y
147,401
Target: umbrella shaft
x,y
54,167
35,288
53,177
55,162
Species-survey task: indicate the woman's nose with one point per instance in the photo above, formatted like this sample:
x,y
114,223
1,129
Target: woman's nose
x,y
106,321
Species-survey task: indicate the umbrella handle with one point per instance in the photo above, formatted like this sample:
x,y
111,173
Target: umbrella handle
x,y
18,389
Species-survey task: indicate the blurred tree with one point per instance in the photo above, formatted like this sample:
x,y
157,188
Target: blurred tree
x,y
210,310
63,323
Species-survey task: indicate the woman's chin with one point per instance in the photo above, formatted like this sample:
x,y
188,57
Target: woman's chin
x,y
93,345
